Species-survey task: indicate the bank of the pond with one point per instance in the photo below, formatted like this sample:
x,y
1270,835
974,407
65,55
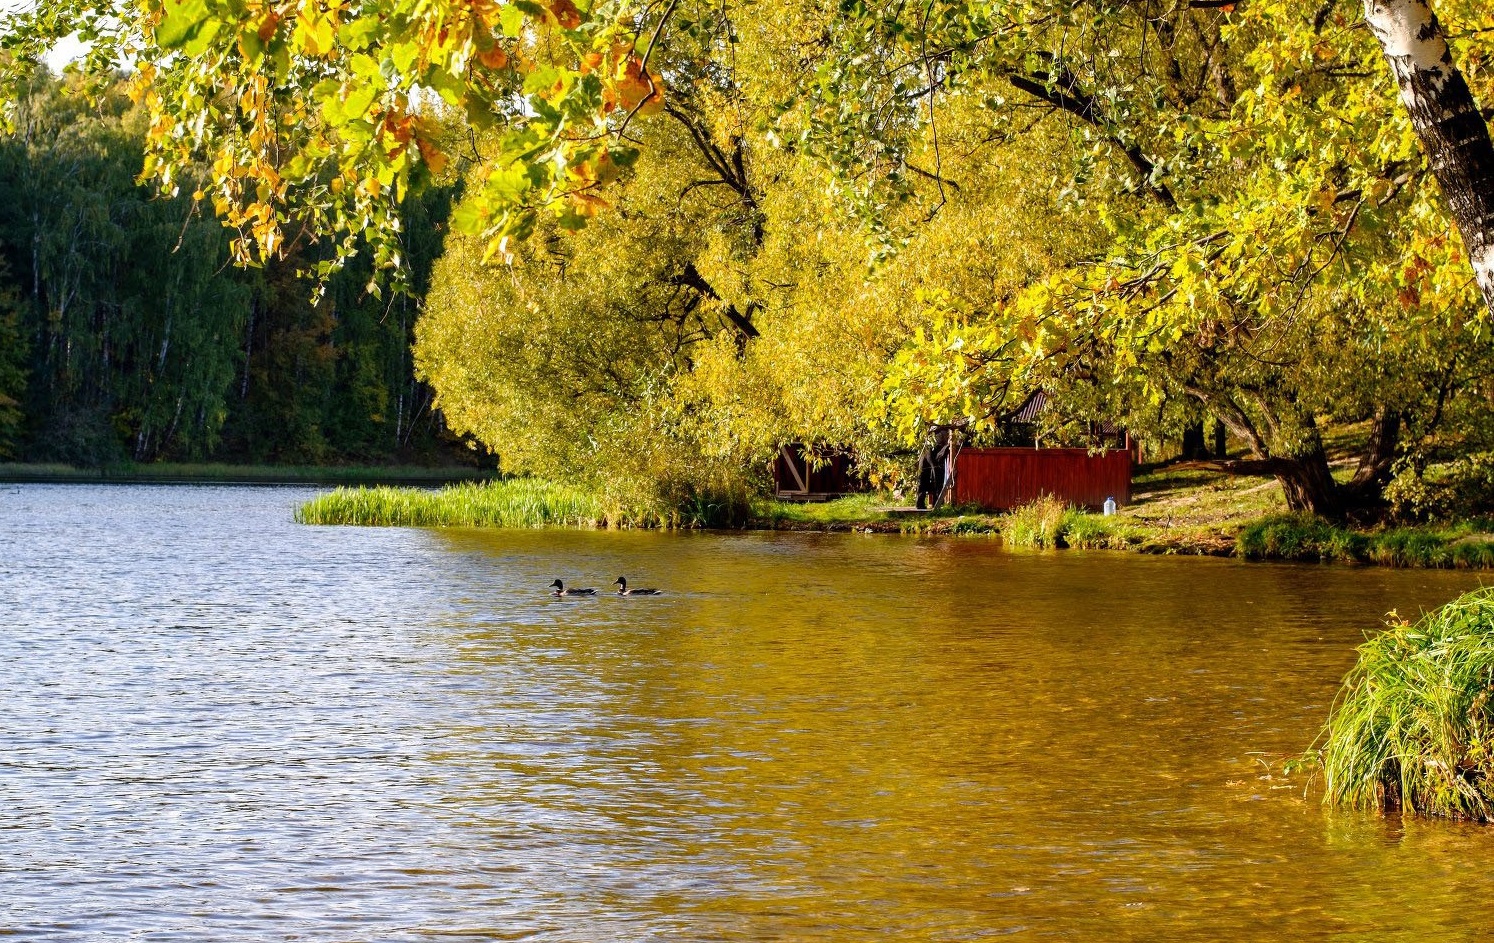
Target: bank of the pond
x,y
1252,529
217,473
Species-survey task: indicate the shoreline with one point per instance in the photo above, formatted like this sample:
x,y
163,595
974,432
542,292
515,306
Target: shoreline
x,y
983,525
1150,526
1180,515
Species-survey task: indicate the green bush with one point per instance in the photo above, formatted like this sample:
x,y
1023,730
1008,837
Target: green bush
x,y
1413,727
1444,491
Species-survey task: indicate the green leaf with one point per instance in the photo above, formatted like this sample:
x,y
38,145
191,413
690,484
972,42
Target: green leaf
x,y
451,88
468,218
182,22
357,103
202,38
358,34
511,20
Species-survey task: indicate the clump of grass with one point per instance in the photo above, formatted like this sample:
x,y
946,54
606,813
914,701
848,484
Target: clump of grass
x,y
1413,727
1408,546
1086,531
1038,524
515,502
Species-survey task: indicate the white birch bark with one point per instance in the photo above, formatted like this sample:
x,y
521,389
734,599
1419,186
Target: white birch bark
x,y
1453,134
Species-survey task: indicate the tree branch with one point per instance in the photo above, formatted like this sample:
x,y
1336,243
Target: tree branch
x,y
1062,91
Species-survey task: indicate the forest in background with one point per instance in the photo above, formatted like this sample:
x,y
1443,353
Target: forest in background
x,y
128,335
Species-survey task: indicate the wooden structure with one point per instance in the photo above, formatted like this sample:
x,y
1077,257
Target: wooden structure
x,y
801,474
999,479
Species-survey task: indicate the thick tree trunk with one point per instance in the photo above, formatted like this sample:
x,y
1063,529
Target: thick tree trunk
x,y
1447,120
1194,446
1306,481
1377,461
1308,485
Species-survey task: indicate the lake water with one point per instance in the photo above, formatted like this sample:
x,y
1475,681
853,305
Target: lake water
x,y
216,724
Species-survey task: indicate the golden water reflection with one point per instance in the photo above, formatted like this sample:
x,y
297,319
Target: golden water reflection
x,y
848,738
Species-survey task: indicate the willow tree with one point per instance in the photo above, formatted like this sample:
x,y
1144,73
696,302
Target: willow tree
x,y
1282,257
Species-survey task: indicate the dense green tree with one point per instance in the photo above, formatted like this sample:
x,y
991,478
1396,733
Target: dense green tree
x,y
134,328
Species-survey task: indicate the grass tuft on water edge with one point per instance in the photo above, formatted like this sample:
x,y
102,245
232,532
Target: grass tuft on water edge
x,y
1413,726
514,502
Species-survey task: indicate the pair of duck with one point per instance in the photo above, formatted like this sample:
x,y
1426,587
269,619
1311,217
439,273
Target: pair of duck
x,y
557,589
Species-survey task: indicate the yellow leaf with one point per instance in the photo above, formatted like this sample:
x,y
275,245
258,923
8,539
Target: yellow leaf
x,y
432,155
494,58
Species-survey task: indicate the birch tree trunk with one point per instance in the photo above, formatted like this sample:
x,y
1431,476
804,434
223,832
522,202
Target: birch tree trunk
x,y
1446,118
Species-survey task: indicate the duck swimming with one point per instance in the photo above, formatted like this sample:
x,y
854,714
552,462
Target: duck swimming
x,y
558,589
622,589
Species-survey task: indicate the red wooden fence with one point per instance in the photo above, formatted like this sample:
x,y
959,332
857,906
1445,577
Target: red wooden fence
x,y
1005,478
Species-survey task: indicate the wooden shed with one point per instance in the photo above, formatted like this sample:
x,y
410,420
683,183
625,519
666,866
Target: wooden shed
x,y
1000,479
1024,469
809,474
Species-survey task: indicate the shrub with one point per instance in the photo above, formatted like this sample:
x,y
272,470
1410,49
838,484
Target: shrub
x,y
1413,727
1445,491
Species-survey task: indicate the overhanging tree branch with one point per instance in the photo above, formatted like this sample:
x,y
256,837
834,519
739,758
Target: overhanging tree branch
x,y
1062,91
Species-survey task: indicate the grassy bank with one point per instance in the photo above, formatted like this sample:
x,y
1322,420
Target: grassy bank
x,y
183,472
1467,544
1413,727
1281,536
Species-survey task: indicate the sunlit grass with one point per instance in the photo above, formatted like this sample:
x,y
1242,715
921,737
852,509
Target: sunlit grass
x,y
1413,727
516,502
1041,524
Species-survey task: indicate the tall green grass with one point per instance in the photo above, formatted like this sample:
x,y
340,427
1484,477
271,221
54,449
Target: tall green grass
x,y
1413,727
515,502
